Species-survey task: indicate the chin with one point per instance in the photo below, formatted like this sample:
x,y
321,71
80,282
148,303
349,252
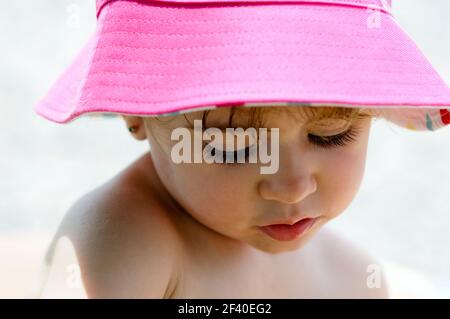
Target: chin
x,y
272,246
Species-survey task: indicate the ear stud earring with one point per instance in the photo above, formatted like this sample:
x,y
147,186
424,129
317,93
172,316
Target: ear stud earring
x,y
132,129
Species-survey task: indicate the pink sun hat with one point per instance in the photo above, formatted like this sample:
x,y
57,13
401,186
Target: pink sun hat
x,y
168,57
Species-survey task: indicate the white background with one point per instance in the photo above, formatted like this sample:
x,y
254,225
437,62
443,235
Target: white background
x,y
401,213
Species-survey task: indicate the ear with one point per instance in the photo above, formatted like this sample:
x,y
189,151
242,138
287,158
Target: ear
x,y
135,126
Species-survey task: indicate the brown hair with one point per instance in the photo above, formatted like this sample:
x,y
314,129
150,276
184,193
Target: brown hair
x,y
257,115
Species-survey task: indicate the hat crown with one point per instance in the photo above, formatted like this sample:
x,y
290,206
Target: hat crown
x,y
382,4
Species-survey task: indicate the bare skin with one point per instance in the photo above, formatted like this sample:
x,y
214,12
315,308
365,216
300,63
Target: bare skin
x,y
132,237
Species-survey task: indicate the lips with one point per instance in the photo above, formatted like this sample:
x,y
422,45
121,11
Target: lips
x,y
286,232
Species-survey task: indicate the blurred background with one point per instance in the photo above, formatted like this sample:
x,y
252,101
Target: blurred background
x,y
401,214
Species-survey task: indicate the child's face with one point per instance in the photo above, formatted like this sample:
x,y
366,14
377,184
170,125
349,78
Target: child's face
x,y
235,199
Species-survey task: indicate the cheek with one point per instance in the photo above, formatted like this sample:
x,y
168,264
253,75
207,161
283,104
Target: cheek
x,y
342,178
220,197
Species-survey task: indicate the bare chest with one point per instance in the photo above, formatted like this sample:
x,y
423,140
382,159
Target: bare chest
x,y
259,276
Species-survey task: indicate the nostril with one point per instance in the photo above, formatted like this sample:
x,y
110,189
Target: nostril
x,y
289,191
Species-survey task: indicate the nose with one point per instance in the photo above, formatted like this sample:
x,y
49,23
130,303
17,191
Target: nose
x,y
293,182
290,190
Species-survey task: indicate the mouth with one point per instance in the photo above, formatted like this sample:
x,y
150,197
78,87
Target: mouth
x,y
289,232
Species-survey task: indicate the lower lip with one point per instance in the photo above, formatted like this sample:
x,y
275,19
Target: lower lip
x,y
284,232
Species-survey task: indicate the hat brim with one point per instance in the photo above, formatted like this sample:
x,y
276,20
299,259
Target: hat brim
x,y
161,58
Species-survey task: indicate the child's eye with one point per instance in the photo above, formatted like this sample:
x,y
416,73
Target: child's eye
x,y
231,156
341,139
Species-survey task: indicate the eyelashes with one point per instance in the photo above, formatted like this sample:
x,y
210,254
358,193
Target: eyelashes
x,y
232,156
326,142
338,140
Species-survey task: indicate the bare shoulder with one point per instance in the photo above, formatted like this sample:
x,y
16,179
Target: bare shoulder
x,y
351,272
121,239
